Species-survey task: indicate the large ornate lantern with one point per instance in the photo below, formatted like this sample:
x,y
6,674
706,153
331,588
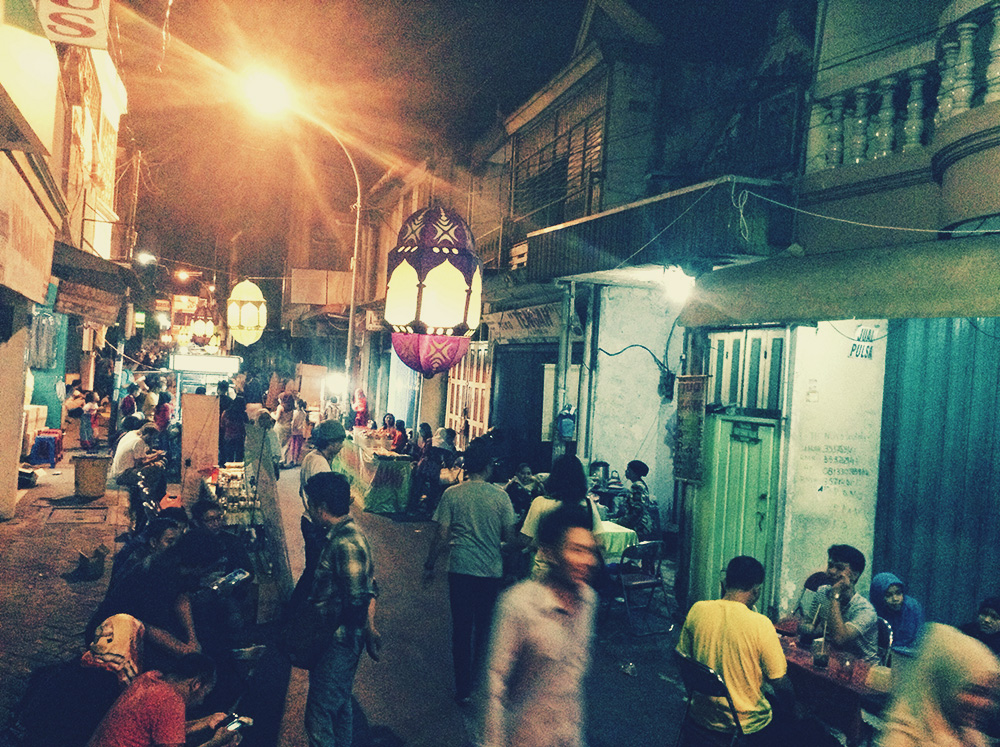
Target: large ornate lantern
x,y
433,301
246,313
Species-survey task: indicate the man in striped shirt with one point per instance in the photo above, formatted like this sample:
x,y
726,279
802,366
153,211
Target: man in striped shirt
x,y
344,591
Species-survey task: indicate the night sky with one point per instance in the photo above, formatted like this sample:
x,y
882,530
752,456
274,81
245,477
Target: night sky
x,y
398,79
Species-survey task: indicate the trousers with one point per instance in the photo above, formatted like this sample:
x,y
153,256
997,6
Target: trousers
x,y
472,601
329,719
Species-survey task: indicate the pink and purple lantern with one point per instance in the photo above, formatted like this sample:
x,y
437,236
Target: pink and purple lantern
x,y
433,301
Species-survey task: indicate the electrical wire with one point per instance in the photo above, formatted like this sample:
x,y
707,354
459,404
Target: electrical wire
x,y
659,364
852,338
960,232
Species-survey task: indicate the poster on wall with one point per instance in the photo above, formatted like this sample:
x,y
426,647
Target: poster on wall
x,y
690,400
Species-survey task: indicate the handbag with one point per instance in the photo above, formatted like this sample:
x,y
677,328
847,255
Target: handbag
x,y
303,635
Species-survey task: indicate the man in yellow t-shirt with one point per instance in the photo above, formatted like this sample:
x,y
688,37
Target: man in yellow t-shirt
x,y
742,646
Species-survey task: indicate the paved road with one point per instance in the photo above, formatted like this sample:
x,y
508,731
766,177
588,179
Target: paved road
x,y
407,697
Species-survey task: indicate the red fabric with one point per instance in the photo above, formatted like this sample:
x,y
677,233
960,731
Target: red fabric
x,y
149,712
127,405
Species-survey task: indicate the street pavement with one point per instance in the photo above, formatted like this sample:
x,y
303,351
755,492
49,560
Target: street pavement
x,y
633,693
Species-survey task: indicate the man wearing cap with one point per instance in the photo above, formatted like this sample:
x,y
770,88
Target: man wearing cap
x,y
327,440
635,513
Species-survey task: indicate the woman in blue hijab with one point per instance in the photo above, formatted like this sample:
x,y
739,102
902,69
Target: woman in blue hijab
x,y
900,610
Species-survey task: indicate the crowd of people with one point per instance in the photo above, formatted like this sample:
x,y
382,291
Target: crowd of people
x,y
525,576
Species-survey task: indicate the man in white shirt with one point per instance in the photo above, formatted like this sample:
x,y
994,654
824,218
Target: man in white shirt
x,y
132,454
327,440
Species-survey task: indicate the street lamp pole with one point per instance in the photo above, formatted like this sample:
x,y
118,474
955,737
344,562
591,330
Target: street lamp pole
x,y
354,266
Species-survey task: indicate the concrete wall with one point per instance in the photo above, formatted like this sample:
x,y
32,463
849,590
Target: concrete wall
x,y
13,367
628,417
833,441
46,379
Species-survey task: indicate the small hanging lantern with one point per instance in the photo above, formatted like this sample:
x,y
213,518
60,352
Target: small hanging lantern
x,y
246,313
433,301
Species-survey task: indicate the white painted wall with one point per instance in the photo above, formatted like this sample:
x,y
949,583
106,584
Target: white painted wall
x,y
13,365
833,436
628,416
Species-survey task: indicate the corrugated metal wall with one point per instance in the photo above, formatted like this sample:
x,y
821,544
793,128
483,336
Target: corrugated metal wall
x,y
938,515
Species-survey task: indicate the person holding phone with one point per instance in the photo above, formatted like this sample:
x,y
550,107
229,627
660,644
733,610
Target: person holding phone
x,y
151,712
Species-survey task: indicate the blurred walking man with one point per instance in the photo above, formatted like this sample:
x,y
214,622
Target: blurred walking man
x,y
541,643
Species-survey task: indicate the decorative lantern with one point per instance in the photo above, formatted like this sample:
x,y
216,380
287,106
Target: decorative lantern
x,y
246,313
433,301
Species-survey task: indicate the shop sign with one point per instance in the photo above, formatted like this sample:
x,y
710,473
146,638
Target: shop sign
x,y
83,23
690,427
543,321
93,304
863,345
26,238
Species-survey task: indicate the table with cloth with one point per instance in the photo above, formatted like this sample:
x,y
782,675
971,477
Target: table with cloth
x,y
835,693
382,481
613,539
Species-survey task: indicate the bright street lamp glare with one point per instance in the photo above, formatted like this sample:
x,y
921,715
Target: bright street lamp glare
x,y
268,94
145,258
183,275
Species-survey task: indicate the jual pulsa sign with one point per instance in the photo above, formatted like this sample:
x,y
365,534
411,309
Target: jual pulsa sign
x,y
83,23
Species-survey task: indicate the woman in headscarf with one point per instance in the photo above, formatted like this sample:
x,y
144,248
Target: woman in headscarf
x,y
986,626
635,511
360,407
903,613
948,695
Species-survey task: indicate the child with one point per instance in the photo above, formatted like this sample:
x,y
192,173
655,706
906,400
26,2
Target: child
x,y
300,421
88,421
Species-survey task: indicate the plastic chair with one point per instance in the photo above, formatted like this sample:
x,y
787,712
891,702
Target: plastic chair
x,y
639,572
884,642
704,680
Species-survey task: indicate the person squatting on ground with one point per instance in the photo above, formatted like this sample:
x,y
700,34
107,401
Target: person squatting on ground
x,y
343,591
540,648
152,710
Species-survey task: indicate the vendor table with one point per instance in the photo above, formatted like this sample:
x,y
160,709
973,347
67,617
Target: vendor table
x,y
384,482
613,539
835,693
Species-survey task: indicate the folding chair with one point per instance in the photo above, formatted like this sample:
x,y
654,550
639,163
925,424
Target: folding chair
x,y
639,573
884,642
704,680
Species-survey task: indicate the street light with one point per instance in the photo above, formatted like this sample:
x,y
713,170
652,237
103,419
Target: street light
x,y
269,96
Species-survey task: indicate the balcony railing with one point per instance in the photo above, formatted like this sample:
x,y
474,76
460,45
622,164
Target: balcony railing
x,y
903,110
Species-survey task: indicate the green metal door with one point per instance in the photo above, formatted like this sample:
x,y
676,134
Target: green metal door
x,y
735,509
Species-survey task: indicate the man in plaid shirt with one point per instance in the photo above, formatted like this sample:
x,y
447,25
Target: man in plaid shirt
x,y
344,591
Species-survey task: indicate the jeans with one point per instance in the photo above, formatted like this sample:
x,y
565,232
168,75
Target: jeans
x,y
472,601
328,706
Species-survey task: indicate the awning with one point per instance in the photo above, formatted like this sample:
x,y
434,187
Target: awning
x,y
952,278
92,287
70,263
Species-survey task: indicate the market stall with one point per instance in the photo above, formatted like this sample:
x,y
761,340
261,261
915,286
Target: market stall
x,y
250,511
381,477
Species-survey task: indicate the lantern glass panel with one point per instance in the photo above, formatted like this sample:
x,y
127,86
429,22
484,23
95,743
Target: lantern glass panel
x,y
401,295
475,301
233,314
443,302
249,316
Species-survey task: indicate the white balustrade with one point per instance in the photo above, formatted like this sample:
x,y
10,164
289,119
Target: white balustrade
x,y
993,66
961,94
947,68
913,125
835,132
857,142
884,121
